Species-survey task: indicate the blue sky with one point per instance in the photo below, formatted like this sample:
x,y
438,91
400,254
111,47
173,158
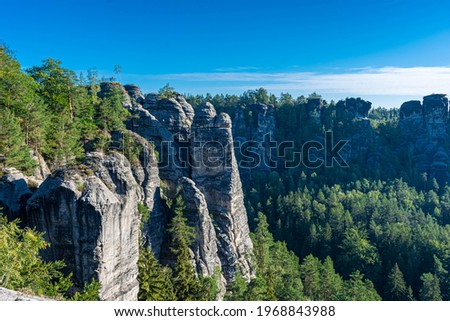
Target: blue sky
x,y
386,51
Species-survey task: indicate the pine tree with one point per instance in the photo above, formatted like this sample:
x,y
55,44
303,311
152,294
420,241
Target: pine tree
x,y
331,283
58,87
84,113
430,290
187,286
13,149
262,240
285,270
18,94
22,268
359,253
396,289
167,92
443,276
110,112
238,289
90,292
358,289
258,290
154,280
310,274
277,269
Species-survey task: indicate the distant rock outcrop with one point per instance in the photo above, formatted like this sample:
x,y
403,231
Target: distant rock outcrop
x,y
424,131
253,129
352,108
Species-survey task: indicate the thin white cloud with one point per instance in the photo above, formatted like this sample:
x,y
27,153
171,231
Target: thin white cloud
x,y
393,81
239,68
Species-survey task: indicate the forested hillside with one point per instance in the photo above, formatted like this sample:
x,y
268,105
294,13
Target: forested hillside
x,y
85,157
385,215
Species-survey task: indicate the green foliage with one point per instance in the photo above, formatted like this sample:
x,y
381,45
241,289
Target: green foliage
x,y
90,292
277,267
277,270
102,142
430,290
18,94
364,225
310,274
209,286
160,283
55,113
167,92
321,282
187,286
131,148
331,283
144,212
396,289
110,112
80,186
259,95
238,288
394,232
358,289
58,88
21,267
155,282
358,253
280,277
13,150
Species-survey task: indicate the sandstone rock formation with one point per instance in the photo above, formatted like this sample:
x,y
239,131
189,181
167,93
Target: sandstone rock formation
x,y
14,193
89,213
91,221
179,138
424,131
353,108
254,135
215,171
9,295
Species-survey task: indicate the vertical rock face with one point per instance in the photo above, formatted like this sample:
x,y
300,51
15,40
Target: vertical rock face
x,y
314,109
190,156
412,119
353,125
215,171
254,135
435,109
146,174
424,129
205,247
14,193
204,250
353,108
166,123
174,113
92,223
